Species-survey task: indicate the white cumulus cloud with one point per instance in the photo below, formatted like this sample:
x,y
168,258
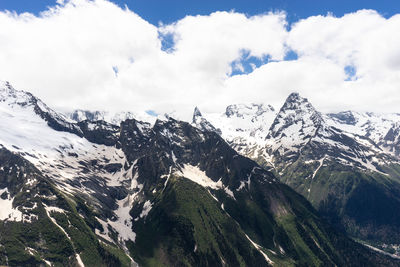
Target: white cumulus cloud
x,y
96,55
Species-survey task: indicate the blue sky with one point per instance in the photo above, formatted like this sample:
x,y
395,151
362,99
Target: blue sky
x,y
155,11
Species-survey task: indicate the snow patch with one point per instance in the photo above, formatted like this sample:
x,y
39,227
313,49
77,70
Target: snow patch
x,y
200,177
123,224
79,260
229,192
146,209
56,224
53,209
103,234
259,248
321,162
7,212
242,185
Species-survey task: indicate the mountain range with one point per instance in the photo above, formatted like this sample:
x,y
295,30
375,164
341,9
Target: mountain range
x,y
84,191
346,164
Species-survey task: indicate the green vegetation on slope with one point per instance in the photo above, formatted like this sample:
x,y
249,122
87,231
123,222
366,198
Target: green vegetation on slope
x,y
365,204
186,227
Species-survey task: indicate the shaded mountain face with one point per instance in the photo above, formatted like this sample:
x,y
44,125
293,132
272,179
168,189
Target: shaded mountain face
x,y
162,194
346,164
391,141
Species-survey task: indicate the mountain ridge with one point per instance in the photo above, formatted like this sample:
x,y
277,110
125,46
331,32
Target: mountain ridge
x,y
138,193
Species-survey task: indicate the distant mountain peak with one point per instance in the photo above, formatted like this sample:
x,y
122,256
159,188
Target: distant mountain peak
x,y
197,116
81,115
296,101
253,109
345,117
196,112
294,95
114,118
200,122
6,85
12,96
20,99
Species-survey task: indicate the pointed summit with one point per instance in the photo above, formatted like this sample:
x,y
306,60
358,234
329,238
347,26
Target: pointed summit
x,y
19,100
297,109
294,95
201,123
196,114
5,85
296,122
296,102
12,96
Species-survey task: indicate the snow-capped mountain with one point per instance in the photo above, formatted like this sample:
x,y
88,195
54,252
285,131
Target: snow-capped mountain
x,y
114,118
299,131
332,159
372,125
98,194
200,122
243,126
296,123
257,131
9,97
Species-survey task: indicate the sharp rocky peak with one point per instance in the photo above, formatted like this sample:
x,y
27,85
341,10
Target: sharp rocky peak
x,y
297,112
296,123
197,113
296,102
295,96
197,116
14,97
203,124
